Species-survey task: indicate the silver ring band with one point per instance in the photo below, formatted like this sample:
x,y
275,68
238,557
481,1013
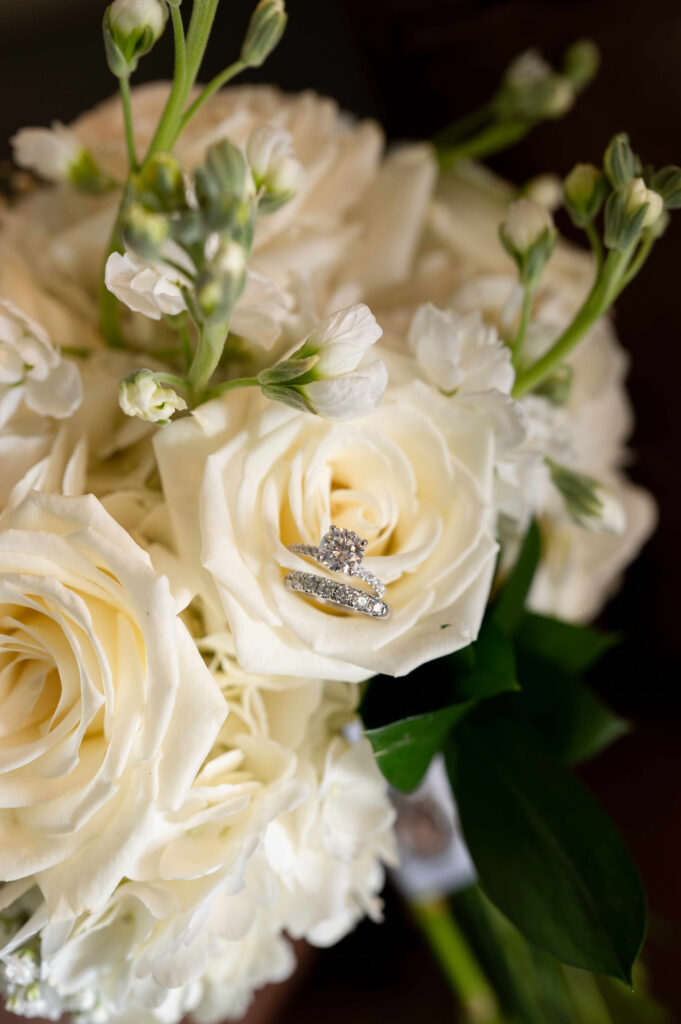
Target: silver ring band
x,y
308,551
340,595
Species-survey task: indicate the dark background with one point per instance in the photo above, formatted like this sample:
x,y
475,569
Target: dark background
x,y
416,65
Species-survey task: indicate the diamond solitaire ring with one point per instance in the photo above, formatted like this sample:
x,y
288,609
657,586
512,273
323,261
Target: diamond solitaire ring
x,y
339,551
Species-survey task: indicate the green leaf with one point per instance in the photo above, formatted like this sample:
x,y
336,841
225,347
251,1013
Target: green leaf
x,y
509,605
404,749
545,852
571,648
486,667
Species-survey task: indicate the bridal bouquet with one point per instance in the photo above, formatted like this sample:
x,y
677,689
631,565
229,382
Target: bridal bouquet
x,y
312,470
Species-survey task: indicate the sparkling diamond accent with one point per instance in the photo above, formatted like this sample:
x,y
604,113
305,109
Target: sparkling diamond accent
x,y
341,550
339,594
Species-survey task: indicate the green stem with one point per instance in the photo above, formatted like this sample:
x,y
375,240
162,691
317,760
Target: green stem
x,y
209,350
231,385
605,289
462,970
187,352
124,84
517,342
188,57
109,310
216,83
490,140
467,126
638,260
173,380
596,246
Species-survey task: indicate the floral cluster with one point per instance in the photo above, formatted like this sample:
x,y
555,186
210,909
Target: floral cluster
x,y
298,329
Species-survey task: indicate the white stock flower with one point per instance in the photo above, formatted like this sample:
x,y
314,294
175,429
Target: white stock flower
x,y
50,152
110,711
415,479
350,396
270,155
32,369
147,287
141,394
341,341
460,352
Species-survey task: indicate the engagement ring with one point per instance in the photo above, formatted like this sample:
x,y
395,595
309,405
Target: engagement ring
x,y
339,551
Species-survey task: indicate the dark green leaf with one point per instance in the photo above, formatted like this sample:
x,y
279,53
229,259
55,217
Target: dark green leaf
x,y
572,648
404,749
486,667
509,605
545,852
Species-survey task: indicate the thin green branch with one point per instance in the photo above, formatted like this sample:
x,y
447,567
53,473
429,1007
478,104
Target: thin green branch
x,y
596,246
124,83
231,385
225,76
518,340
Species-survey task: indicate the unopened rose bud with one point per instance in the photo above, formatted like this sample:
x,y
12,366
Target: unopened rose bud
x,y
584,190
145,231
220,285
57,154
619,161
131,27
160,185
141,394
265,29
588,502
275,170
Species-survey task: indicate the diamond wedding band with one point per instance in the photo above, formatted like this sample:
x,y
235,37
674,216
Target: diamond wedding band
x,y
339,551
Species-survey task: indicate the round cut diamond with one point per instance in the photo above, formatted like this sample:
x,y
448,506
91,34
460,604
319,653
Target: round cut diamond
x,y
341,550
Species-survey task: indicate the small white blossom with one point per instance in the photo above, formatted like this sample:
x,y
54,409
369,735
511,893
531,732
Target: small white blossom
x,y
525,223
460,352
129,16
31,369
141,394
270,155
341,341
52,153
350,395
147,287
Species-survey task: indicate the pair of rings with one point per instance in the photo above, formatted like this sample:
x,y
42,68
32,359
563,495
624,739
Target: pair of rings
x,y
339,551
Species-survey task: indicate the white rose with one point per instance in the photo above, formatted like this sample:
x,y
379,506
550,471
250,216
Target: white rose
x,y
32,370
110,711
415,479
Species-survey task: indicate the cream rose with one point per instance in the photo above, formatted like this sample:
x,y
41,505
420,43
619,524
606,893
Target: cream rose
x,y
107,708
244,479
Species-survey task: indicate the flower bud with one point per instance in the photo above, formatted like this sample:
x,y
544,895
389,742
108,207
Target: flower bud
x,y
159,186
57,154
533,90
581,62
225,190
264,31
546,189
589,503
275,170
619,161
667,181
528,235
584,190
131,27
141,394
145,231
220,285
637,195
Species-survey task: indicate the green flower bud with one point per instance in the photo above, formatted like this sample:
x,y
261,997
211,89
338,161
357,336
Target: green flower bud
x,y
629,211
584,190
219,286
557,386
581,62
533,90
620,162
131,27
528,235
145,231
225,189
160,185
667,181
589,503
265,29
